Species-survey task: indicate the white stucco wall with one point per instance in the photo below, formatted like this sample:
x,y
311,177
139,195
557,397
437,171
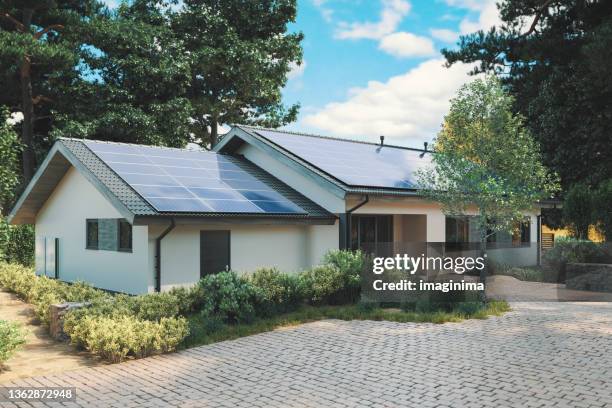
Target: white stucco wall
x,y
63,216
290,248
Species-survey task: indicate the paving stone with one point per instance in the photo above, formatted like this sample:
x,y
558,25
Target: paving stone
x,y
538,355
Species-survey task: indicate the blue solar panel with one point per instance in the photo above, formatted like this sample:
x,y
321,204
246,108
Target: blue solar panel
x,y
175,180
355,164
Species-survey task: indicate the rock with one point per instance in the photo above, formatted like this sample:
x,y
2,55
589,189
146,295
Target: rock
x,y
56,318
593,277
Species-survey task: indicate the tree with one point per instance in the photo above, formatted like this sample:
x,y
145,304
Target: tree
x,y
578,209
16,242
554,57
10,148
486,159
240,54
603,210
37,50
135,76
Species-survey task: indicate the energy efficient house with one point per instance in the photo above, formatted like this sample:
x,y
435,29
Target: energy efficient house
x,y
138,219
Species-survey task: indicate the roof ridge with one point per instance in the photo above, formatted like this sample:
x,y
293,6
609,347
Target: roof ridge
x,y
291,132
133,144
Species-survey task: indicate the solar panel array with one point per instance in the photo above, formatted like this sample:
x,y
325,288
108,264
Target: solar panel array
x,y
355,164
177,180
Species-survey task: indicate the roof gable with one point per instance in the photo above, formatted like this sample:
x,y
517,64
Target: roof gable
x,y
127,197
353,166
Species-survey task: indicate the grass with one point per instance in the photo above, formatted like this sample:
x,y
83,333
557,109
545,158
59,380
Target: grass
x,y
202,333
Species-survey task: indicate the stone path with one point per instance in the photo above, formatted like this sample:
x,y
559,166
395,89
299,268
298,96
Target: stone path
x,y
538,355
40,355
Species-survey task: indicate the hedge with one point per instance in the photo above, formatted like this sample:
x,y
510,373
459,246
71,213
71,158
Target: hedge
x,y
11,338
117,326
113,326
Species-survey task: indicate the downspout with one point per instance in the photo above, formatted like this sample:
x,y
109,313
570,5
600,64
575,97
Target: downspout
x,y
158,254
349,216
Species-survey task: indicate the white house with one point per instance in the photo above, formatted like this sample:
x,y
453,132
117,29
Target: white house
x,y
138,219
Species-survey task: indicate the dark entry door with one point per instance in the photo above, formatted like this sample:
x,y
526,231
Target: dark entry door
x,y
214,252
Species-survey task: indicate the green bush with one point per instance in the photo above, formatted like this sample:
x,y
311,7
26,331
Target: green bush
x,y
568,250
527,274
337,281
153,306
229,297
16,243
188,298
280,292
578,209
11,338
115,338
603,215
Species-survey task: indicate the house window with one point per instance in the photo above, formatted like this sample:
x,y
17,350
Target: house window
x,y
372,233
92,234
124,236
519,236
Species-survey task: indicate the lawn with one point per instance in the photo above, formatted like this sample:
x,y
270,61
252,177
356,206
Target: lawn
x,y
204,331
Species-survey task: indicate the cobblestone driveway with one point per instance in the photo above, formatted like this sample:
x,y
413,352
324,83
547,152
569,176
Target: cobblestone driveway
x,y
539,355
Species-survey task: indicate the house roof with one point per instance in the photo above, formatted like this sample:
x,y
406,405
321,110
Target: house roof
x,y
349,165
97,162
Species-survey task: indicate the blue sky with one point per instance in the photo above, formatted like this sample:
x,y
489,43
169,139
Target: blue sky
x,y
373,67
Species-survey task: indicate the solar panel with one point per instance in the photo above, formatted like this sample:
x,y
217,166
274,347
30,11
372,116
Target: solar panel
x,y
175,180
355,164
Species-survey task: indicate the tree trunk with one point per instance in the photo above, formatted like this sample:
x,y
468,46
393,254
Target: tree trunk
x,y
483,254
214,132
27,105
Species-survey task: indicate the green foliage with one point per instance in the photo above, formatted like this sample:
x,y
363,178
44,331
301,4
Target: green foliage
x,y
16,243
280,292
602,213
153,306
142,74
559,75
10,148
436,301
115,338
239,56
11,338
188,298
485,157
578,210
229,297
337,280
526,274
571,251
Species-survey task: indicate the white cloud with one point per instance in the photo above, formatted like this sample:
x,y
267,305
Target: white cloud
x,y
296,70
488,15
404,45
408,108
392,13
443,34
326,12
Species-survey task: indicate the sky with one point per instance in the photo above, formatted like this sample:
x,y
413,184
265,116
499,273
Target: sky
x,y
373,67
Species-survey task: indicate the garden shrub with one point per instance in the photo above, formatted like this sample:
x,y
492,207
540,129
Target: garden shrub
x,y
153,306
229,297
280,292
115,338
189,299
337,281
11,338
568,250
527,274
16,243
